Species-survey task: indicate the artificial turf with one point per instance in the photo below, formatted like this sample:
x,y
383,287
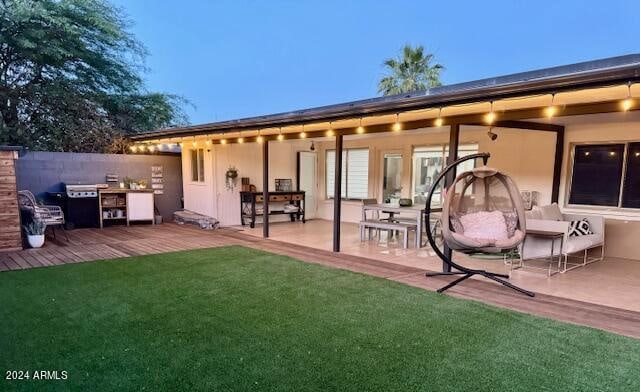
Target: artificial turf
x,y
239,319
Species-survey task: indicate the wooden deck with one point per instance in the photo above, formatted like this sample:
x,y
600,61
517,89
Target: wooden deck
x,y
114,242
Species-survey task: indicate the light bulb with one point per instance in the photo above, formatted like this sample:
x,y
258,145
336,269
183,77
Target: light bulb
x,y
194,143
133,148
207,142
490,117
259,139
330,132
303,135
360,129
141,147
438,122
152,148
627,104
397,127
240,140
223,141
550,111
160,146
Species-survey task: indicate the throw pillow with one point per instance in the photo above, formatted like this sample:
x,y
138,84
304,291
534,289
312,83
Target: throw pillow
x,y
485,225
551,212
579,227
456,224
511,219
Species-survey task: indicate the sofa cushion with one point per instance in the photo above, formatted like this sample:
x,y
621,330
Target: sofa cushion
x,y
579,228
580,243
551,212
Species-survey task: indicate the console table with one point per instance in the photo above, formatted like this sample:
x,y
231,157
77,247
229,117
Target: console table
x,y
251,202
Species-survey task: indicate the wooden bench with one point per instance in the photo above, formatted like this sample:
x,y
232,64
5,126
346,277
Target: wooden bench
x,y
385,225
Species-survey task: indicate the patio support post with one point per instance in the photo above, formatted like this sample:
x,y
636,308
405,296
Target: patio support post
x,y
454,141
337,194
265,189
557,165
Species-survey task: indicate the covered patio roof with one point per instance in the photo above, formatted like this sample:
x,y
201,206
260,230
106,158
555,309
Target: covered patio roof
x,y
583,88
599,86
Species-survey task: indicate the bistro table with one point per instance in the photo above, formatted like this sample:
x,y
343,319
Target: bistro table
x,y
393,209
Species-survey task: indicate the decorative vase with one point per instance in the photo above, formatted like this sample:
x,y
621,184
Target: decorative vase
x,y
35,241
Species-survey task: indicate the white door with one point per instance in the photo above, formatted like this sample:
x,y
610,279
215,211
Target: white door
x,y
307,181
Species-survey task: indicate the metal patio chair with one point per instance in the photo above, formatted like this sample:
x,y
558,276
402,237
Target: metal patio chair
x,y
50,215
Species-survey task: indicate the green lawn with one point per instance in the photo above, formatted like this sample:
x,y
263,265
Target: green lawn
x,y
239,319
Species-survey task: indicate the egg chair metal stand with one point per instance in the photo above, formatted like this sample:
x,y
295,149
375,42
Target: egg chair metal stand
x,y
464,272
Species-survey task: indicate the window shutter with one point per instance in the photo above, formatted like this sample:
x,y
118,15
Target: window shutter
x,y
358,174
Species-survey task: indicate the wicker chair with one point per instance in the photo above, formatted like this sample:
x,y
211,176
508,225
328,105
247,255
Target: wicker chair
x,y
51,216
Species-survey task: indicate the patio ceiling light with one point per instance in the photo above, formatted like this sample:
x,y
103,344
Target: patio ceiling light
x,y
550,111
360,128
330,130
303,134
490,117
397,126
628,102
438,122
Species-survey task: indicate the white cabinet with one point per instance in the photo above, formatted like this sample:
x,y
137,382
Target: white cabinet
x,y
140,206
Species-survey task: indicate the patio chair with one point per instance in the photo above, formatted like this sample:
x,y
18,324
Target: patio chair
x,y
50,215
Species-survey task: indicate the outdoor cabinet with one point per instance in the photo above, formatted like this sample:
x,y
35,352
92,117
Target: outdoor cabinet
x,y
140,206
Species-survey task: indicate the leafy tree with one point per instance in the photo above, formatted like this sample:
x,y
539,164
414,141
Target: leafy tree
x,y
70,77
412,71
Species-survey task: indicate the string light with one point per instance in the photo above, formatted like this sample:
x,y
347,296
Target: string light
x,y
303,134
330,130
397,127
160,146
280,135
133,148
194,143
360,128
438,122
152,148
259,139
207,142
240,138
491,116
223,141
141,147
628,102
550,111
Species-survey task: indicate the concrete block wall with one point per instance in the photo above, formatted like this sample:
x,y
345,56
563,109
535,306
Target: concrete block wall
x,y
42,172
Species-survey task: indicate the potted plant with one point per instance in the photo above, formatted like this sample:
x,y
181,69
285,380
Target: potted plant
x,y
35,233
231,177
142,183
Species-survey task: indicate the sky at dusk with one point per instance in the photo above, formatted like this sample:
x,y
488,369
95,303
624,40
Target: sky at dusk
x,y
236,59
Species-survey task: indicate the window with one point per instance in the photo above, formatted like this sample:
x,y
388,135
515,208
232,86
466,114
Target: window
x,y
355,173
197,165
428,163
392,177
601,172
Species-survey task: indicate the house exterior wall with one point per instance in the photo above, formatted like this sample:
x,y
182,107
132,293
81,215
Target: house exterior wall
x,y
528,156
212,197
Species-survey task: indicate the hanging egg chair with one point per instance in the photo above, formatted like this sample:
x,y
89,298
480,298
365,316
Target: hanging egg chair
x,y
482,212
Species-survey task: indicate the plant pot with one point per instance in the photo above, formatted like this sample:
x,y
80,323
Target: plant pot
x,y
36,241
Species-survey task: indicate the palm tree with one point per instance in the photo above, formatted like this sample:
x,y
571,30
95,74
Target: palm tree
x,y
413,71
